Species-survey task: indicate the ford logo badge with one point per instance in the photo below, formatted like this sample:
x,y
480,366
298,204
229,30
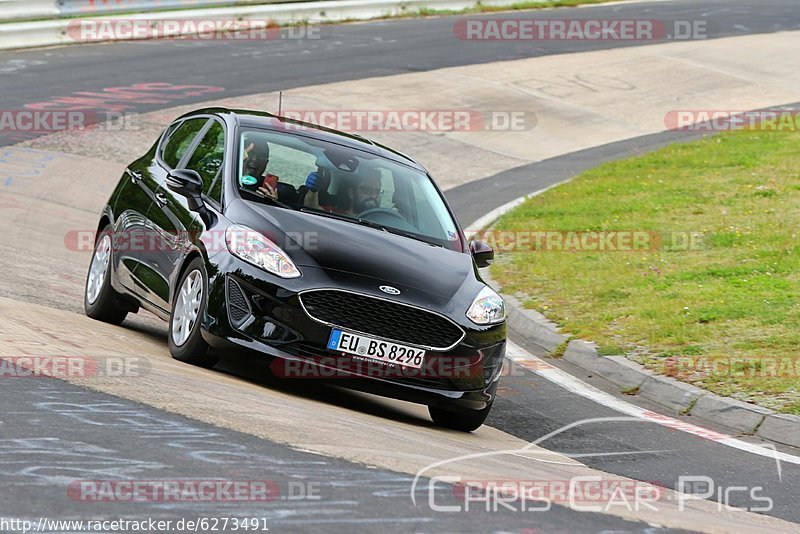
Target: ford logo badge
x,y
390,290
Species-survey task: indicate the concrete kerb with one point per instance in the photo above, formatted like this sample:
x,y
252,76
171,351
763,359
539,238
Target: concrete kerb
x,y
541,335
730,412
781,428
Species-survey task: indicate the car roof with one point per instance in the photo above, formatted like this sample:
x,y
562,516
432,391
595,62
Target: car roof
x,y
265,120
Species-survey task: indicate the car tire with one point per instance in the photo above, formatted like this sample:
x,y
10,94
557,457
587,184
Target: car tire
x,y
99,298
186,343
463,420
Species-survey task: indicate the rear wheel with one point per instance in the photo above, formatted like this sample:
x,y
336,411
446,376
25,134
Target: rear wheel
x,y
186,343
463,420
99,298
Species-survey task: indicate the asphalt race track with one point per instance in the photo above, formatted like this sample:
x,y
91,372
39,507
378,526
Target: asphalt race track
x,y
52,432
136,437
344,52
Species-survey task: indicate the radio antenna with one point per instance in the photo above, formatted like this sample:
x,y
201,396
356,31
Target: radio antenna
x,y
280,101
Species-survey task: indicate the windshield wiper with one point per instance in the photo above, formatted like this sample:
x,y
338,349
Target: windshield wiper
x,y
371,224
340,217
392,230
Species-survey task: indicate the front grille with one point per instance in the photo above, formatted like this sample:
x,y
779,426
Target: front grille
x,y
238,308
381,318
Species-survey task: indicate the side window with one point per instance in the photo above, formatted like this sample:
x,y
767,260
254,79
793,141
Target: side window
x,y
179,140
207,159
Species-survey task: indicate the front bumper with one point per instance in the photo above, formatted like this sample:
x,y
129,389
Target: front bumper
x,y
249,310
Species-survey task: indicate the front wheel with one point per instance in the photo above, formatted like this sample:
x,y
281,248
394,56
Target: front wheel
x,y
99,298
463,420
186,343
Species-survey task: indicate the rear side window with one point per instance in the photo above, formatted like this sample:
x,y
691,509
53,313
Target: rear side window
x,y
179,140
207,157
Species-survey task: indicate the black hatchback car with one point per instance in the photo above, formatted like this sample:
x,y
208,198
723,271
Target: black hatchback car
x,y
329,255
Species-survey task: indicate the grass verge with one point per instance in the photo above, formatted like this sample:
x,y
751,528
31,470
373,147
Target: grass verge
x,y
714,297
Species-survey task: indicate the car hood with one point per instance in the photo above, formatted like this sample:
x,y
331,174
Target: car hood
x,y
388,259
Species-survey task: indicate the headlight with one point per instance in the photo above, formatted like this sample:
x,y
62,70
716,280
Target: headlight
x,y
251,246
487,308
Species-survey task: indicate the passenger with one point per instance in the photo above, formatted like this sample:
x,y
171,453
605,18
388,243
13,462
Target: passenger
x,y
254,166
363,194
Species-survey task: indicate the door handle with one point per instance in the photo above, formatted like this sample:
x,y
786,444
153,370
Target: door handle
x,y
135,176
161,199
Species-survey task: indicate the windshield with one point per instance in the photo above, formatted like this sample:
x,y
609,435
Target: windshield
x,y
328,179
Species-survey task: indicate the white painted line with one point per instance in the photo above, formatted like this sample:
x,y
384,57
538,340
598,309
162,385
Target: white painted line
x,y
579,387
484,222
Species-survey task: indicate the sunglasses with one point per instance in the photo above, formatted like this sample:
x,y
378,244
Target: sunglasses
x,y
374,191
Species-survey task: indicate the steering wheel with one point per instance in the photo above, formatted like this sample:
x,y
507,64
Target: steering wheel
x,y
382,211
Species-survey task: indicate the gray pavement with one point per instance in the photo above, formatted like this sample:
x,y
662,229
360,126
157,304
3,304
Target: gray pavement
x,y
66,452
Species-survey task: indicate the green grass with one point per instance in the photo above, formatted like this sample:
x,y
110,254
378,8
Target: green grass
x,y
632,390
724,315
559,351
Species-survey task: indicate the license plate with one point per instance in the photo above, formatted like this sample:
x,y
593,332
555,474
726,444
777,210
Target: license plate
x,y
376,349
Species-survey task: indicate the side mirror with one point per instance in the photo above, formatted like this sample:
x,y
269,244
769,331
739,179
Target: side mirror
x,y
189,184
483,253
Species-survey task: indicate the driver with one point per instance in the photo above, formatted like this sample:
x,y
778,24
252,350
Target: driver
x,y
254,165
367,192
364,193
